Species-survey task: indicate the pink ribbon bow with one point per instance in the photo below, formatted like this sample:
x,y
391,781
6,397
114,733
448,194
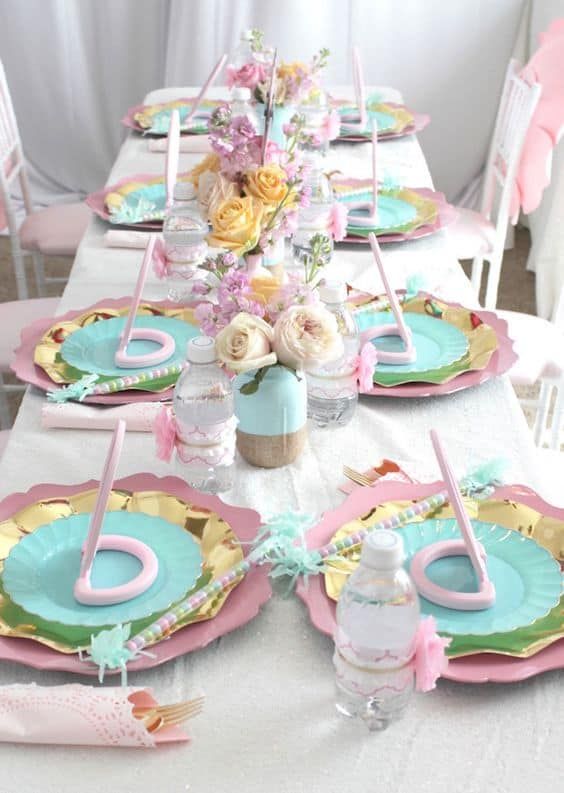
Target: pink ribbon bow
x,y
338,221
159,259
164,429
366,363
430,659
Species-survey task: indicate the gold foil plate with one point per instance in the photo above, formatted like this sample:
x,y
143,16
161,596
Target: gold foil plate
x,y
47,352
547,531
218,543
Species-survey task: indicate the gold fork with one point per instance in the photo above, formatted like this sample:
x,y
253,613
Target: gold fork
x,y
357,477
161,716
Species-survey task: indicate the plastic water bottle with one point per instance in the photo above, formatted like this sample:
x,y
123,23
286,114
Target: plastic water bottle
x,y
332,390
204,412
315,218
241,105
243,52
184,233
377,621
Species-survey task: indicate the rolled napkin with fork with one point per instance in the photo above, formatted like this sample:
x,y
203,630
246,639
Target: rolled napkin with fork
x,y
189,144
139,416
90,716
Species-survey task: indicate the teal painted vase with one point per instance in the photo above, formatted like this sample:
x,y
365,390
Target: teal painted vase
x,y
272,427
281,114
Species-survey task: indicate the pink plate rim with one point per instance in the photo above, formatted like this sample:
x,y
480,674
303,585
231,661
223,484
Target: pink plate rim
x,y
479,668
27,371
242,605
501,361
447,214
420,121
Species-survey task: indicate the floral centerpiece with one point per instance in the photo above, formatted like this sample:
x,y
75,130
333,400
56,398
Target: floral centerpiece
x,y
267,333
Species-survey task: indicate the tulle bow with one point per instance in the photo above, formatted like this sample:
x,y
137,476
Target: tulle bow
x,y
430,658
164,428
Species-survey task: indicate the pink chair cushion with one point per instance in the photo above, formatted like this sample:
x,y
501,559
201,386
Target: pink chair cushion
x,y
56,230
4,438
15,316
471,234
539,345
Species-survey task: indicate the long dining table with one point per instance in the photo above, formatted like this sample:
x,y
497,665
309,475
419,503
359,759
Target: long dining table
x,y
269,723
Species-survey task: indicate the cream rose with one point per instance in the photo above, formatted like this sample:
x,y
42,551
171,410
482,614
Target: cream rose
x,y
211,162
222,190
236,224
246,343
306,337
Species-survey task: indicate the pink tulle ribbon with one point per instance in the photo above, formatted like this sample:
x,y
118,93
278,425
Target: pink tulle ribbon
x,y
331,126
366,363
430,659
159,259
164,428
338,221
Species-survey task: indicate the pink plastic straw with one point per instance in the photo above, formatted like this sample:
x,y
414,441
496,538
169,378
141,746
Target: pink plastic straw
x,y
125,337
211,79
472,547
269,108
172,155
106,482
371,219
358,81
404,331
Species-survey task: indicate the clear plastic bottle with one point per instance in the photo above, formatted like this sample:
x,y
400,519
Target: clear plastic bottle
x,y
184,233
204,413
377,621
243,52
241,105
315,111
315,218
332,390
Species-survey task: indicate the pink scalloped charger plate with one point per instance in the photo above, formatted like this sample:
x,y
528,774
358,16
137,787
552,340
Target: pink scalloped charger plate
x,y
420,121
446,214
501,361
129,119
26,370
97,202
242,605
480,668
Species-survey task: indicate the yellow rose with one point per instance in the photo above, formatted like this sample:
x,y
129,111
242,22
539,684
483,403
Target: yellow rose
x,y
209,163
267,183
236,224
222,190
265,288
289,70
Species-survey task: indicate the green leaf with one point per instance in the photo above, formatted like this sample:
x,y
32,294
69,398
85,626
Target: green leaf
x,y
249,388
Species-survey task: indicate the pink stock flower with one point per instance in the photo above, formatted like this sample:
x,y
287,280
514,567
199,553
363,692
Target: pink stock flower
x,y
164,429
430,658
159,259
331,126
248,76
338,221
366,363
305,196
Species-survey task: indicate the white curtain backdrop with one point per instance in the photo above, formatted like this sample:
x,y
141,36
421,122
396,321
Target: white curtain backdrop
x,y
74,66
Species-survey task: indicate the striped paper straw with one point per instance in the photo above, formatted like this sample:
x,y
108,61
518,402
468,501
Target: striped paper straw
x,y
160,627
130,380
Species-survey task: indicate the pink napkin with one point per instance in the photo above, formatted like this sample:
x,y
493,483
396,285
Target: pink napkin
x,y
189,144
118,238
139,416
79,715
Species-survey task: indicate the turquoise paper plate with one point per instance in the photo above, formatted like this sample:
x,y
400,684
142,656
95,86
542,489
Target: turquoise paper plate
x,y
393,213
92,348
40,571
385,121
526,577
437,343
145,204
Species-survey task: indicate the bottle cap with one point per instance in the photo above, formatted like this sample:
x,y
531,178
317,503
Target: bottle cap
x,y
201,350
383,550
333,292
184,191
241,94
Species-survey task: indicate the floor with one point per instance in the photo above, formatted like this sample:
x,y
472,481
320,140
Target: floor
x,y
517,288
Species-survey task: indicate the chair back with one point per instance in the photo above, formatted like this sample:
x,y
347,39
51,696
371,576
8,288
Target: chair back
x,y
518,102
12,162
